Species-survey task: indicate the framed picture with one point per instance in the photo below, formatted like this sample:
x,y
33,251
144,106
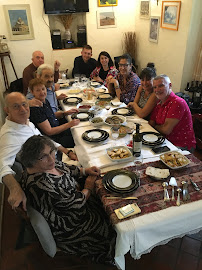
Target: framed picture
x,y
170,14
107,3
145,9
154,29
106,19
19,22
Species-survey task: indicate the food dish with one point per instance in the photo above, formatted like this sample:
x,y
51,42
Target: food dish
x,y
174,160
152,138
72,100
119,153
101,90
95,135
74,91
93,83
115,120
157,174
83,107
97,121
124,130
64,85
82,116
116,103
102,103
123,111
105,96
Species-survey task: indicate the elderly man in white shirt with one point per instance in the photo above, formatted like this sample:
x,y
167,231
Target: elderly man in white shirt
x,y
16,130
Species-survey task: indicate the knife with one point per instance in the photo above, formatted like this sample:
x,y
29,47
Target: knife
x,y
126,198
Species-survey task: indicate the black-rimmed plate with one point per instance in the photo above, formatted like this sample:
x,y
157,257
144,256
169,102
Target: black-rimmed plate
x,y
125,111
105,96
152,138
72,100
121,181
82,116
95,135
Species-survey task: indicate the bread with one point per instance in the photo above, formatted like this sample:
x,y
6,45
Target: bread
x,y
157,173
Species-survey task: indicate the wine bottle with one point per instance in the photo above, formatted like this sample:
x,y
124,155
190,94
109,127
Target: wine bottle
x,y
137,141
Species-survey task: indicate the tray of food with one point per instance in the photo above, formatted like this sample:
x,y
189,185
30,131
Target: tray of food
x,y
119,153
97,121
174,160
115,120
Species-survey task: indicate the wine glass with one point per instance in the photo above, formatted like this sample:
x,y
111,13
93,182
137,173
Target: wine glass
x,y
107,106
138,160
114,133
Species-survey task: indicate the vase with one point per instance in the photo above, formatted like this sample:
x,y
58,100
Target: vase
x,y
67,34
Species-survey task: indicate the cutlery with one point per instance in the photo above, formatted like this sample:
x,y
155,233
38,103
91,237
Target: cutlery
x,y
173,183
178,197
194,185
121,198
185,193
166,195
96,145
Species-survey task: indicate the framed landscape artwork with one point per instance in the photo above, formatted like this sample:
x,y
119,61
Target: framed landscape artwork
x,y
19,22
107,3
170,14
145,9
106,19
154,29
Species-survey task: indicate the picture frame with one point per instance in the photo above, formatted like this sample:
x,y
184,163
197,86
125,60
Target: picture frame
x,y
145,9
19,22
107,3
106,19
154,29
170,15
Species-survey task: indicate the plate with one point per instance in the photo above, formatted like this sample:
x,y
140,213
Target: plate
x,y
95,135
82,116
113,153
102,103
105,96
123,111
115,120
101,90
152,138
121,181
74,91
174,160
95,83
72,100
116,103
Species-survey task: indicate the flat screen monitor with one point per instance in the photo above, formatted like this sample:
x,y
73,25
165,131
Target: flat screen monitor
x,y
65,6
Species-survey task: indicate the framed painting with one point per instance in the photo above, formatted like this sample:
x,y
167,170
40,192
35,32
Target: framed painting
x,y
170,14
154,29
107,3
144,9
106,19
19,22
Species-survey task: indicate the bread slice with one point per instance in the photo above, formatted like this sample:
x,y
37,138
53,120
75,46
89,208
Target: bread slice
x,y
157,173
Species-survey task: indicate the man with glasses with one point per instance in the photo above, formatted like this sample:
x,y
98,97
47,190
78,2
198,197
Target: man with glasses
x,y
126,85
16,130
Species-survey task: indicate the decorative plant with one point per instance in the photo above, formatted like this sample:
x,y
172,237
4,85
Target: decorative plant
x,y
66,20
129,43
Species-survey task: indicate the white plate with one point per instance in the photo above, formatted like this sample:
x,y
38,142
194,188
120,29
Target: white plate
x,y
122,111
122,181
95,83
150,138
82,115
101,90
72,100
116,103
94,135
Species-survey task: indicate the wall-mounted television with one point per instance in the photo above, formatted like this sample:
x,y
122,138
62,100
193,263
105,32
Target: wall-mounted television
x,y
65,6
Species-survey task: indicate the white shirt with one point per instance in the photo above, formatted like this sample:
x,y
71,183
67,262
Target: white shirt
x,y
12,137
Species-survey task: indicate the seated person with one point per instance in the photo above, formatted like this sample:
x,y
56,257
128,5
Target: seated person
x,y
104,69
127,82
46,120
29,71
84,64
171,116
16,130
145,99
76,217
46,74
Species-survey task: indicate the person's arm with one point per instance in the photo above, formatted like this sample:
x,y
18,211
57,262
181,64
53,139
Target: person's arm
x,y
89,186
137,97
26,78
76,69
168,126
148,107
117,89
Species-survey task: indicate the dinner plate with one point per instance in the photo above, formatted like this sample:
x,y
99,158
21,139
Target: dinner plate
x,y
82,116
72,100
152,138
123,111
101,90
105,96
95,83
95,135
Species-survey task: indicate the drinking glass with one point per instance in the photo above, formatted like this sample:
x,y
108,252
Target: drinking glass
x,y
138,160
114,133
107,106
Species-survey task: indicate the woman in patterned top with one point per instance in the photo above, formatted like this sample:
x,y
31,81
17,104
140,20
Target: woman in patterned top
x,y
76,217
105,68
127,82
145,100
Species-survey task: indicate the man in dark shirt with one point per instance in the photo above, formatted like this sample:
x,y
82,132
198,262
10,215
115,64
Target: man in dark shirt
x,y
30,70
84,64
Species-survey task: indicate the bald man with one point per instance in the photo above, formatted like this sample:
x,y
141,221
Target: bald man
x,y
29,71
16,130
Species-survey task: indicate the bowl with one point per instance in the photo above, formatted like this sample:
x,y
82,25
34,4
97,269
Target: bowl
x,y
83,107
115,120
174,160
97,121
119,153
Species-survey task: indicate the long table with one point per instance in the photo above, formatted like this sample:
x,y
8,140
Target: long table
x,y
138,235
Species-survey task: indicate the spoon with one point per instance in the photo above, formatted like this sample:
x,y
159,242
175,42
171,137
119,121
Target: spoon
x,y
166,195
185,193
173,183
178,196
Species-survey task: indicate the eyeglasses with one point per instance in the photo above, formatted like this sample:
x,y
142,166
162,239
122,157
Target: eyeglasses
x,y
18,106
45,157
123,65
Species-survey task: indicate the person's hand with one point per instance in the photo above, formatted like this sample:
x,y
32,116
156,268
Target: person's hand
x,y
56,65
61,96
35,103
16,197
108,79
74,122
70,111
73,156
130,104
93,171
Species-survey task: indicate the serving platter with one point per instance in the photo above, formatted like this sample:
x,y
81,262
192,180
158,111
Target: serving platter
x,y
174,160
119,153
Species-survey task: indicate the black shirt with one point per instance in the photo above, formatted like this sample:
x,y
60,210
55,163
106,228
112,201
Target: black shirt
x,y
80,67
103,73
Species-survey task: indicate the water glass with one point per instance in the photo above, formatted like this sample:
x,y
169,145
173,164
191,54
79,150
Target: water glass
x,y
138,160
115,133
76,78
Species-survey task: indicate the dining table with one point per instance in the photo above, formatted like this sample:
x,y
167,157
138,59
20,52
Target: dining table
x,y
159,221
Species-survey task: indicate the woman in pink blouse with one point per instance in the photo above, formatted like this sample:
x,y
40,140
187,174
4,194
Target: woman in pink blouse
x,y
172,116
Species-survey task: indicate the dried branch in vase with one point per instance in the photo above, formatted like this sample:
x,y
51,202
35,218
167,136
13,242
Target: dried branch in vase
x,y
66,20
129,43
